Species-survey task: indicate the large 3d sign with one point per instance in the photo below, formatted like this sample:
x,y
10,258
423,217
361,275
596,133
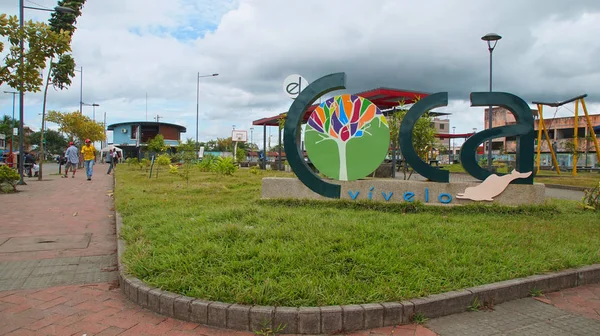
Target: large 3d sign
x,y
347,136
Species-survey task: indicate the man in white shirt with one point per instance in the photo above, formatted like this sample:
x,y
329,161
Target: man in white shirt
x,y
72,155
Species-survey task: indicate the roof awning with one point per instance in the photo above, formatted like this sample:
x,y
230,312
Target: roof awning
x,y
384,98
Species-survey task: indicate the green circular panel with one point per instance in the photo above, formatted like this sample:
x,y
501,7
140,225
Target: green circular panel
x,y
347,137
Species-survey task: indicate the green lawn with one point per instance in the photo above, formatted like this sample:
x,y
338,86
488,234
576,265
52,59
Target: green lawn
x,y
583,179
458,168
215,239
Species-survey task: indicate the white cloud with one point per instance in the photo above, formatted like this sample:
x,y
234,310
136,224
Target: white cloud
x,y
130,48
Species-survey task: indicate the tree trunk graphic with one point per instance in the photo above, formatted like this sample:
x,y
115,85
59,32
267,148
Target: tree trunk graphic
x,y
343,167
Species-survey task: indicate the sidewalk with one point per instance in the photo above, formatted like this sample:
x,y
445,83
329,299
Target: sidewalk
x,y
58,276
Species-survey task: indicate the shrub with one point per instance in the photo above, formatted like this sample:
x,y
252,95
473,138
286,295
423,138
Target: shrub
x,y
163,160
145,163
208,162
225,166
254,170
591,198
174,169
132,161
240,155
8,176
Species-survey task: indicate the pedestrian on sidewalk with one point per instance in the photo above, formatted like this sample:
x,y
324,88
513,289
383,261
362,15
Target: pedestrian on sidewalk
x,y
89,158
72,156
110,160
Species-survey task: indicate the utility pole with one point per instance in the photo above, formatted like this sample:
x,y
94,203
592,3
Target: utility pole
x,y
81,90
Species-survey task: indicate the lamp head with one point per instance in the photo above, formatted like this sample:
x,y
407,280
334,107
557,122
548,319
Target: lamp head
x,y
65,10
491,39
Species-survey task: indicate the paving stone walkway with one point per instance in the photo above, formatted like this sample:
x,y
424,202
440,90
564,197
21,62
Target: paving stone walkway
x,y
574,311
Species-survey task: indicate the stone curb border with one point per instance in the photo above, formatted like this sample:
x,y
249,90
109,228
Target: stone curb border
x,y
335,319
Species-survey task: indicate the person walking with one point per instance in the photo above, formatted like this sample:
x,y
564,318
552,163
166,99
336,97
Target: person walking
x,y
89,158
110,160
72,156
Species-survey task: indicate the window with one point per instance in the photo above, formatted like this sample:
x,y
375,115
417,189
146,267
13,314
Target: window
x,y
442,126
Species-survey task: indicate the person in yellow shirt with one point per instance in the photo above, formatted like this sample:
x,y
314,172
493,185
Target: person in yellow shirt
x,y
89,158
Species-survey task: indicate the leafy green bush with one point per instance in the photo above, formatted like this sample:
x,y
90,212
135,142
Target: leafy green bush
x,y
174,169
163,160
591,198
225,166
145,162
8,176
240,155
132,161
208,162
254,170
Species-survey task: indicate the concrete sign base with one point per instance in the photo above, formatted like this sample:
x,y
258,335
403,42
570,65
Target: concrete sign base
x,y
397,191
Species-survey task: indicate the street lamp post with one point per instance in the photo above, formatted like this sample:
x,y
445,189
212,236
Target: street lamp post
x,y
198,106
252,137
453,143
491,40
80,89
60,9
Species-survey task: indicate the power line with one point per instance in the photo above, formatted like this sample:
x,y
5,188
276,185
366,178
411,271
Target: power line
x,y
37,4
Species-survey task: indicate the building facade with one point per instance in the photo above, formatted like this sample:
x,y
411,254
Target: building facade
x,y
561,132
442,126
132,137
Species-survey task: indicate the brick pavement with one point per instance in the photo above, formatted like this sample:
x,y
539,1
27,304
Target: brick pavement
x,y
67,207
100,309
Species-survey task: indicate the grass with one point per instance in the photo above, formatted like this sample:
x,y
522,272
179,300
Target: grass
x,y
583,179
458,168
216,240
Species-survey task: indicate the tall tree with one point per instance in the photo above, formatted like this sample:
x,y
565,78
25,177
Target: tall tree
x,y
186,151
40,44
157,144
423,134
60,72
54,141
224,145
76,126
7,124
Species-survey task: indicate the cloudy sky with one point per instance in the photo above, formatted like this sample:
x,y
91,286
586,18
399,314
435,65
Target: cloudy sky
x,y
549,51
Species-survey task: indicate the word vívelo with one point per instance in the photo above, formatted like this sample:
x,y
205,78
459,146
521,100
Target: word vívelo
x,y
407,196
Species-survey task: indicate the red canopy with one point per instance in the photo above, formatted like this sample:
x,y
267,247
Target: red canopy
x,y
384,98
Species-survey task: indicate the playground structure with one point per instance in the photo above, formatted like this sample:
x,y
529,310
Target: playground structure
x,y
542,129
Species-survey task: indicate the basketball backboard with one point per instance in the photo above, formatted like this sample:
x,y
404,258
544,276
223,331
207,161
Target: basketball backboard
x,y
239,136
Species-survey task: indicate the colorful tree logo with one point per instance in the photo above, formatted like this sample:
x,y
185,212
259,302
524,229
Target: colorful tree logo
x,y
352,127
